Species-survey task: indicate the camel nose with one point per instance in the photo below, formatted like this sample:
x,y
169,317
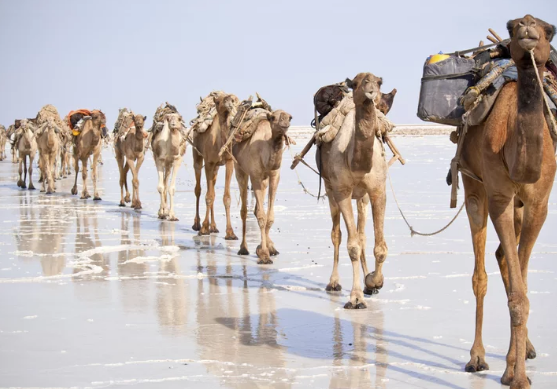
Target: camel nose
x,y
528,21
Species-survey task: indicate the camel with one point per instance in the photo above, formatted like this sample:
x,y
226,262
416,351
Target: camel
x,y
132,148
26,148
353,167
48,144
512,153
3,140
209,143
87,143
11,133
168,150
259,159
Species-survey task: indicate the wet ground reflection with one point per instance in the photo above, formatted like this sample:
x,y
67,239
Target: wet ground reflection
x,y
94,295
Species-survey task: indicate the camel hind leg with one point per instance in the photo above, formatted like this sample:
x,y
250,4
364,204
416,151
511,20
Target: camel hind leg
x,y
172,188
160,187
136,204
21,182
30,171
336,238
227,200
242,179
96,196
362,205
84,192
211,171
76,168
120,162
274,178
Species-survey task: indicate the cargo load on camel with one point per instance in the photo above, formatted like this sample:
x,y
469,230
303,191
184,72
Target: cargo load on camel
x,y
207,111
76,118
158,121
461,87
334,107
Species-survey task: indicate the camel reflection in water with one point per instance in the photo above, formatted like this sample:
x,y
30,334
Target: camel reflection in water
x,y
42,230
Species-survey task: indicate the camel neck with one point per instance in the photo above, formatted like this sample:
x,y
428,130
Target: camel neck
x,y
364,136
528,128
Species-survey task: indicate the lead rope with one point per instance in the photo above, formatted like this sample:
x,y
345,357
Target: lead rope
x,y
551,121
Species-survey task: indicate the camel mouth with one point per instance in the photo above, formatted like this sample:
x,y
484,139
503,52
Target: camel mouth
x,y
528,43
371,96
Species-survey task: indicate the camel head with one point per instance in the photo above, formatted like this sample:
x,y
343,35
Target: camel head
x,y
174,121
529,33
280,121
138,122
366,87
226,103
98,118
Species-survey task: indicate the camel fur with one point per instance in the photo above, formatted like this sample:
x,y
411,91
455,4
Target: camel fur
x,y
48,144
26,146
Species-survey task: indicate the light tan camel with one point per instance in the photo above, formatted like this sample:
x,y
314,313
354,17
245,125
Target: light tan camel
x,y
3,140
88,143
513,154
12,136
48,144
130,153
353,166
26,148
168,150
209,144
259,159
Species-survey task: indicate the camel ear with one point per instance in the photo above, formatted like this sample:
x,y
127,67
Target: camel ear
x,y
380,82
549,32
393,92
270,117
290,118
349,83
144,118
510,27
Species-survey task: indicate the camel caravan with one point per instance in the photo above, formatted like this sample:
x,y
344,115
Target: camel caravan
x,y
502,99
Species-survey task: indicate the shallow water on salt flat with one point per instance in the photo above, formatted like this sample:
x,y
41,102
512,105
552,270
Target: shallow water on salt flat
x,y
94,295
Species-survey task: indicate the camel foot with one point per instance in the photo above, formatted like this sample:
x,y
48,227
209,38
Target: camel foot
x,y
521,383
49,192
373,283
19,183
333,287
273,251
265,261
230,236
530,350
121,204
204,230
476,364
31,187
350,305
172,219
40,180
83,198
127,198
97,198
214,230
138,207
42,191
74,190
23,186
196,225
243,251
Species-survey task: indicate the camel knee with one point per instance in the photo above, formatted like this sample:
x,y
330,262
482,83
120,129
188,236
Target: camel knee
x,y
380,252
197,190
336,236
160,188
519,307
473,208
226,200
479,283
354,251
244,213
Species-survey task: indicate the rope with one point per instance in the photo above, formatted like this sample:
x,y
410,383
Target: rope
x,y
300,180
412,230
551,124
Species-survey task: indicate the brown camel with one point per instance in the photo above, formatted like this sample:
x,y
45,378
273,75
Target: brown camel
x,y
88,143
3,140
209,144
168,150
513,155
132,149
353,167
26,148
48,145
259,159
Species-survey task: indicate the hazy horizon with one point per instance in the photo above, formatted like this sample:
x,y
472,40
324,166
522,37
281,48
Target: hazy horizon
x,y
139,54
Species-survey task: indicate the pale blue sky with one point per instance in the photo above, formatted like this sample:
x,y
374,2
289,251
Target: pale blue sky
x,y
110,54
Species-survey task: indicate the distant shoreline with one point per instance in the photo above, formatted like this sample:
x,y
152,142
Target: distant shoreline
x,y
305,132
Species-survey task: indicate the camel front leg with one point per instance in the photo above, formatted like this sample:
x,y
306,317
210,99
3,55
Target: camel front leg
x,y
374,280
96,196
227,200
336,238
76,168
362,207
260,187
172,188
160,171
211,170
476,208
135,182
120,163
85,192
501,211
274,178
31,159
242,179
43,174
354,249
20,182
197,166
50,171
